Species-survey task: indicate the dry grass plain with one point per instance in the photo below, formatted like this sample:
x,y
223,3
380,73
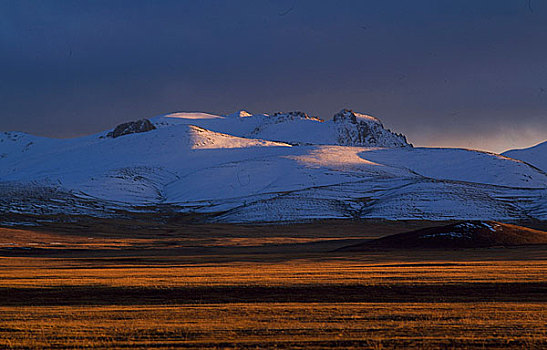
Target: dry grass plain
x,y
224,286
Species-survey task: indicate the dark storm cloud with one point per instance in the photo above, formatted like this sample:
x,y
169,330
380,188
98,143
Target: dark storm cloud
x,y
452,73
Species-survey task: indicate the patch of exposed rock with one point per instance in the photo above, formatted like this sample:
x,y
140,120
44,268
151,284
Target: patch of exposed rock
x,y
295,115
134,127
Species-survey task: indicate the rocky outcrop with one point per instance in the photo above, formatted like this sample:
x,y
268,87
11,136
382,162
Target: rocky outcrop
x,y
356,129
282,116
134,127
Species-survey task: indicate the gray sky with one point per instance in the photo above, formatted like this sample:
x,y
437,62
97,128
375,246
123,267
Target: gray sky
x,y
466,73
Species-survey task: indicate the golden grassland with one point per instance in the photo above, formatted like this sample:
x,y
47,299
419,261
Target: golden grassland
x,y
225,287
281,325
48,272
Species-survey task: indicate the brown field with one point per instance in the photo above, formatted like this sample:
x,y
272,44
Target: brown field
x,y
223,286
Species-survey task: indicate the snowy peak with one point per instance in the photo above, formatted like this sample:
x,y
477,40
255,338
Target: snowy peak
x,y
355,129
178,118
239,114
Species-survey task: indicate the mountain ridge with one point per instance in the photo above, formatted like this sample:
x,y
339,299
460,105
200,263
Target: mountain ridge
x,y
258,168
346,128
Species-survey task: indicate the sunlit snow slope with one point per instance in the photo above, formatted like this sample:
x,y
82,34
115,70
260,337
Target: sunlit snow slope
x,y
256,168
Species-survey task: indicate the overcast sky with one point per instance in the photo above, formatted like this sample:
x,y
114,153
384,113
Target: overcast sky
x,y
466,73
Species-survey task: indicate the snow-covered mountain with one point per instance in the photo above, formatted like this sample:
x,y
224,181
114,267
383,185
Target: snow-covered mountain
x,y
536,155
247,168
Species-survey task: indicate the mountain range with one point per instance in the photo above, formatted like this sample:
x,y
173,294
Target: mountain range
x,y
283,167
